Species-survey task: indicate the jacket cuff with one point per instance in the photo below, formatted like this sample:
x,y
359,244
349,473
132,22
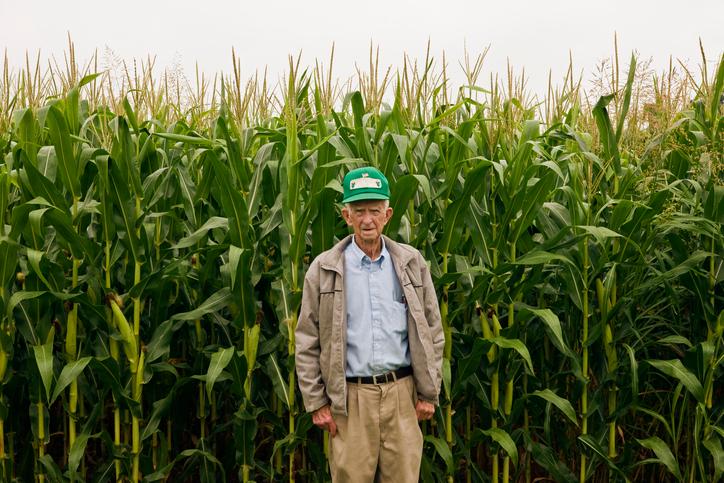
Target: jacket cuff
x,y
312,406
434,401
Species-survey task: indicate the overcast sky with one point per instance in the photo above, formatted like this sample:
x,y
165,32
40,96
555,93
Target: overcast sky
x,y
537,35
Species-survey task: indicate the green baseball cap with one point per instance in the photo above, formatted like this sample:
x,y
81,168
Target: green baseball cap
x,y
366,183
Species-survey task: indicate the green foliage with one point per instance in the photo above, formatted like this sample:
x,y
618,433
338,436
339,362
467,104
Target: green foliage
x,y
580,277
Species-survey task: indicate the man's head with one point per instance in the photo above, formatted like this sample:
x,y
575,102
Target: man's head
x,y
366,203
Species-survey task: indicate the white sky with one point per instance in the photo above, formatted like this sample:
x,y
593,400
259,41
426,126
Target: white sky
x,y
537,35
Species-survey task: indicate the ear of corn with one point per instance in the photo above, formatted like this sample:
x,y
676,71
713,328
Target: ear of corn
x,y
128,338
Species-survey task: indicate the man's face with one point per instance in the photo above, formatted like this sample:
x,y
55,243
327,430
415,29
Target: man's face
x,y
368,218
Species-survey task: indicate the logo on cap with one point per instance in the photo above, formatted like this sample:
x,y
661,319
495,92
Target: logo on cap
x,y
365,182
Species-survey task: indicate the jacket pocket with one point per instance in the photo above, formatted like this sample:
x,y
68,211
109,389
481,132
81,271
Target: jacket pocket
x,y
398,319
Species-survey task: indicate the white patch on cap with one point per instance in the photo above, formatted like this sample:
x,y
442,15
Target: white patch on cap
x,y
365,182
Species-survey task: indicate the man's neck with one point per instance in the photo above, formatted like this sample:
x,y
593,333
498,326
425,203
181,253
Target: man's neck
x,y
372,249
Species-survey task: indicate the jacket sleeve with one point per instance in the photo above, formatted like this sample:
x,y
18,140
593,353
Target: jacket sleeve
x,y
434,321
307,345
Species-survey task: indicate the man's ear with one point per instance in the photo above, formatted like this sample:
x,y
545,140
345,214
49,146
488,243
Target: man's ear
x,y
345,216
388,212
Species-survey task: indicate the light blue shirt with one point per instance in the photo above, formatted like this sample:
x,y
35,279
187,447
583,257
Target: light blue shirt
x,y
376,314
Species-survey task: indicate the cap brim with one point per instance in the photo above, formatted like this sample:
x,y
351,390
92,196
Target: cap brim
x,y
365,196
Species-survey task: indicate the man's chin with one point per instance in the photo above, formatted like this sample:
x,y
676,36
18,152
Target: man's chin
x,y
369,238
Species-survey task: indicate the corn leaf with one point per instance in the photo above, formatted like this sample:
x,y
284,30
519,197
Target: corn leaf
x,y
25,124
591,443
8,260
675,339
42,187
501,437
262,157
518,346
454,213
553,327
240,268
713,445
78,450
107,370
676,369
442,449
626,98
161,408
70,372
219,360
363,142
51,468
281,388
544,456
446,377
35,257
606,132
470,364
402,192
67,162
205,456
182,138
160,343
663,454
125,204
44,360
563,404
230,146
633,372
324,222
245,427
233,204
527,203
18,298
600,233
215,222
716,96
188,192
538,257
216,301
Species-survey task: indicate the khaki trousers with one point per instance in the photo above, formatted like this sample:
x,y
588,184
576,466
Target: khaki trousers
x,y
380,439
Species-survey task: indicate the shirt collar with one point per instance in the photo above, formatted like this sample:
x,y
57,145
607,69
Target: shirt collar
x,y
359,256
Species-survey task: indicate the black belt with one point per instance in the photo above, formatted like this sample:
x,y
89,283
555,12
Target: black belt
x,y
391,376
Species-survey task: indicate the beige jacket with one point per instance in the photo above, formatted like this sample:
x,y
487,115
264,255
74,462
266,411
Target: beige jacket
x,y
321,335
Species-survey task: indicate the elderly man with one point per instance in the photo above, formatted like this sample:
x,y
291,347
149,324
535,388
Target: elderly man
x,y
369,342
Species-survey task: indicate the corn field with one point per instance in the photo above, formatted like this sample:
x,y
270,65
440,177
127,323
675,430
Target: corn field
x,y
153,247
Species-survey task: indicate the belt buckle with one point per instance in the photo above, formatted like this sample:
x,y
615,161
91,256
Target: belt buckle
x,y
390,376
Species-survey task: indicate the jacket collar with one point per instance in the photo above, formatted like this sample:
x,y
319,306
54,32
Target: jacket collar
x,y
333,259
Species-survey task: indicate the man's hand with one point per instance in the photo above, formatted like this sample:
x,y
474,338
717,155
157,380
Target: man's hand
x,y
322,417
424,409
